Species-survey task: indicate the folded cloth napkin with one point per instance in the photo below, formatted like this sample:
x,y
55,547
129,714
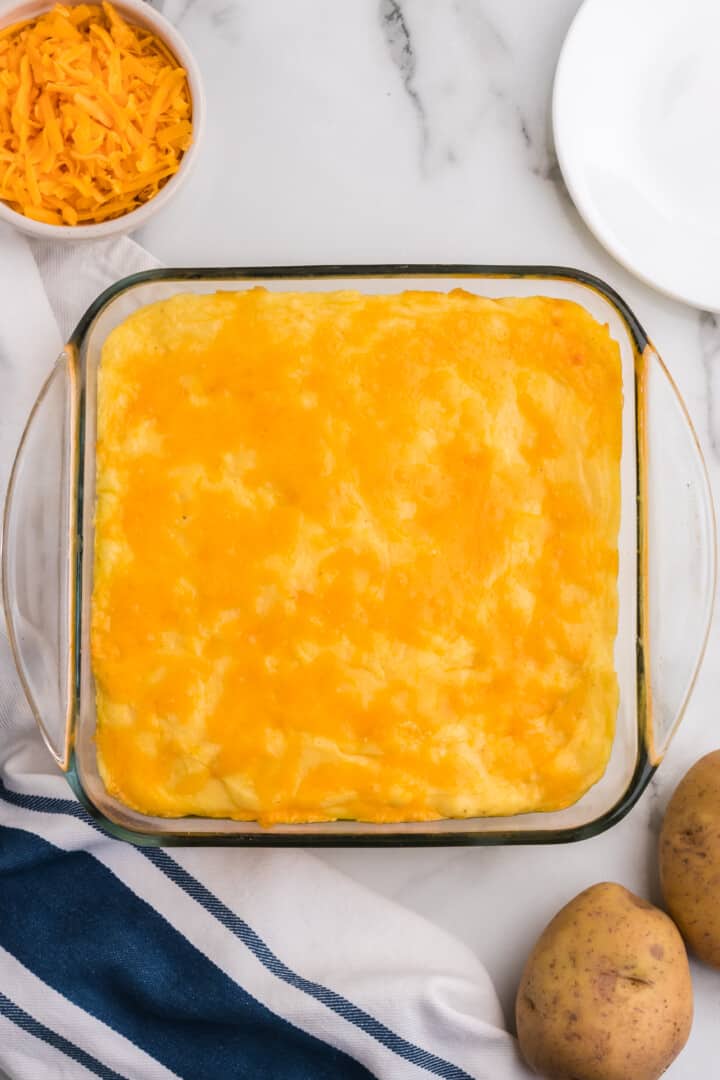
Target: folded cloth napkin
x,y
209,964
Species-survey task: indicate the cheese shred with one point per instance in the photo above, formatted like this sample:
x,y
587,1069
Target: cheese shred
x,y
95,115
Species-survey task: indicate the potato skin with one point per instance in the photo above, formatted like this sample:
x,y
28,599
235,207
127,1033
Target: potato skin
x,y
606,992
690,858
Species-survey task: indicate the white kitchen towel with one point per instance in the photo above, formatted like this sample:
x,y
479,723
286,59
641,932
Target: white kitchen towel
x,y
210,964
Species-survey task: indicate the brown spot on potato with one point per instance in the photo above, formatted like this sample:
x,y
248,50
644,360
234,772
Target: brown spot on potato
x,y
693,833
636,980
657,951
605,983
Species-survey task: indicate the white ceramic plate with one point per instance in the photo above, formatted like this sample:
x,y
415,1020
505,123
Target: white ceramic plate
x,y
636,117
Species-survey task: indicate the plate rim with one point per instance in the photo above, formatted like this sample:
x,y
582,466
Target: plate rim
x,y
585,206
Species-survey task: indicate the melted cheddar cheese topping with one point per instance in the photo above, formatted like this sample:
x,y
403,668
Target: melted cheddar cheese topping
x,y
356,556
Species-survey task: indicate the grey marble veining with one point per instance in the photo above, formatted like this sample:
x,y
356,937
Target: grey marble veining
x,y
468,76
400,46
710,352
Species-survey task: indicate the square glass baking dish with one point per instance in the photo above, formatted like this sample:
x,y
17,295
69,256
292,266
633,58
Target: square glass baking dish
x,y
667,559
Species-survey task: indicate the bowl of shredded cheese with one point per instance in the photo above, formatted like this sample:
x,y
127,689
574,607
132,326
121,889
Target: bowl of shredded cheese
x,y
101,113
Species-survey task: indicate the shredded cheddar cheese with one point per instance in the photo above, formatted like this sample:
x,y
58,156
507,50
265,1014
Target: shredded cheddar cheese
x,y
95,115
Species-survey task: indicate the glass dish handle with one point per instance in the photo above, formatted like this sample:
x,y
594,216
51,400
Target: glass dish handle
x,y
678,552
37,555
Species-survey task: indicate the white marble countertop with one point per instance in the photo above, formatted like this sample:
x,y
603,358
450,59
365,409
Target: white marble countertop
x,y
418,131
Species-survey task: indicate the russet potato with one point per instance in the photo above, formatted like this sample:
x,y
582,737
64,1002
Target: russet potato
x,y
690,858
606,992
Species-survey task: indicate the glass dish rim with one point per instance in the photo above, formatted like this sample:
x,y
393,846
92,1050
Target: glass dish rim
x,y
644,766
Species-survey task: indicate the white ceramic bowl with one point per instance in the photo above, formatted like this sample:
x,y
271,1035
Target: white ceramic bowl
x,y
140,13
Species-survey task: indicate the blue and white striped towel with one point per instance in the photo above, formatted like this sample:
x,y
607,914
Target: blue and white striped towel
x,y
206,964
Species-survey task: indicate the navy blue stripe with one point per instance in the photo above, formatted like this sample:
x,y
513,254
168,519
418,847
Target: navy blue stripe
x,y
47,804
237,926
79,929
336,1002
28,1023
